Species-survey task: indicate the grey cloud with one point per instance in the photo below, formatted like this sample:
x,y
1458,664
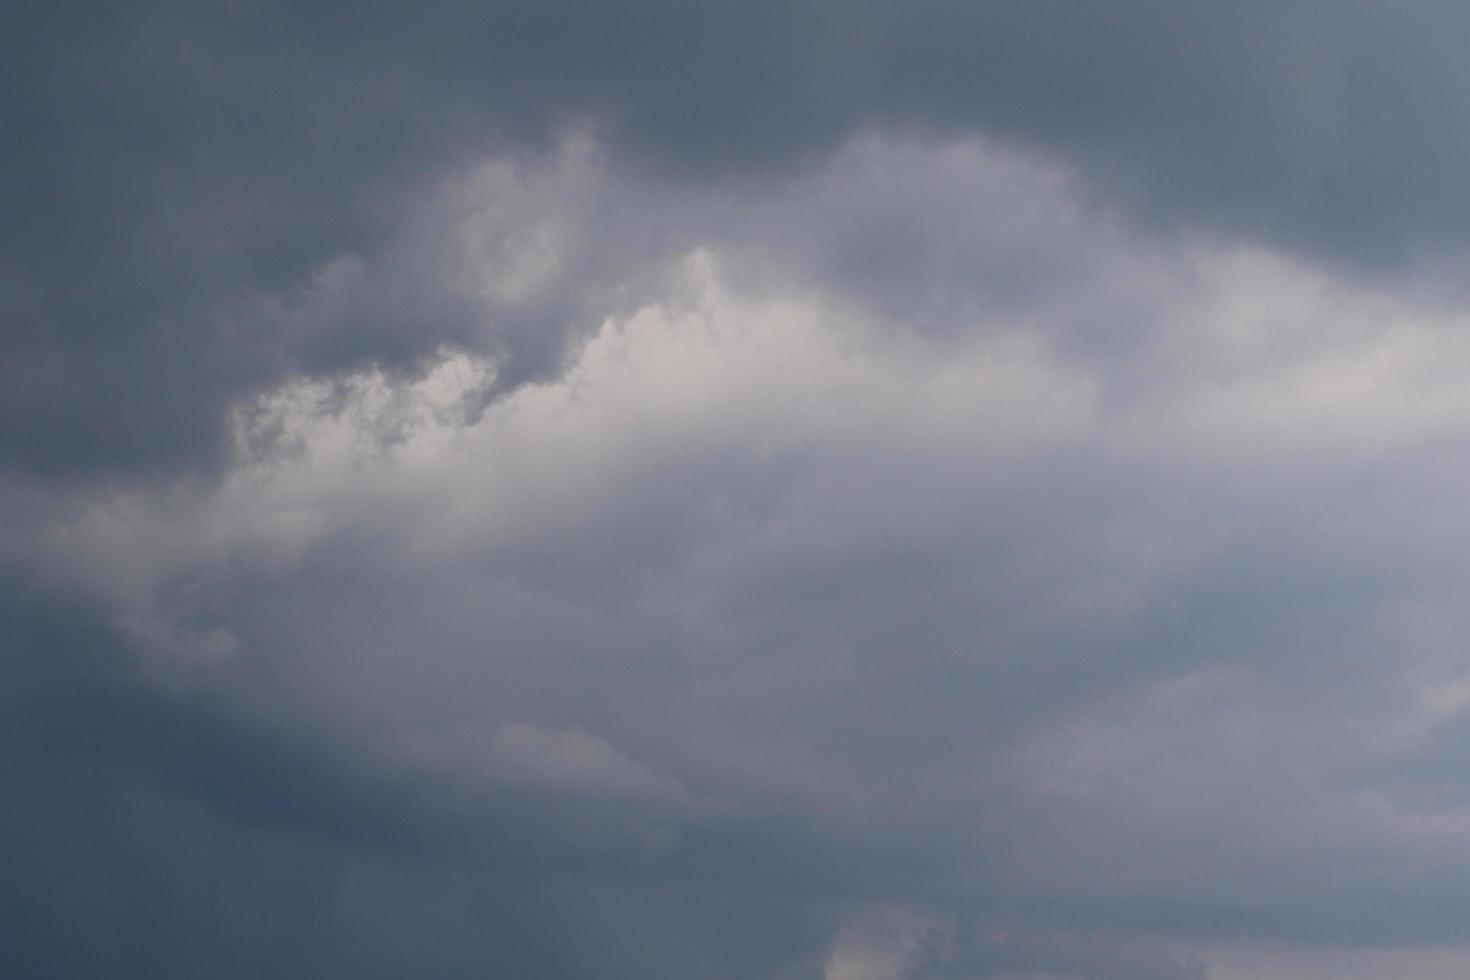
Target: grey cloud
x,y
1117,676
704,473
150,834
167,160
1003,953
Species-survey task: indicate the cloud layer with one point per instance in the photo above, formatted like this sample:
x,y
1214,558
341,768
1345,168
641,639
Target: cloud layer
x,y
173,162
834,491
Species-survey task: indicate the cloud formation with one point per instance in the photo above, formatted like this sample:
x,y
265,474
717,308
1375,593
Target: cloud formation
x,y
173,162
801,491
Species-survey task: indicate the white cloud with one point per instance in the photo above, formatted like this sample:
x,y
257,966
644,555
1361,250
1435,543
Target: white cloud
x,y
885,944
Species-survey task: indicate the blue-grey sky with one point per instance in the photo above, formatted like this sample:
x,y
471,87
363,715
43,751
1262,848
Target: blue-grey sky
x,y
805,490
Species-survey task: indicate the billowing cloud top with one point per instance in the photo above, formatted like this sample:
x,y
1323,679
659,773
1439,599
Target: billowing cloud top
x,y
853,491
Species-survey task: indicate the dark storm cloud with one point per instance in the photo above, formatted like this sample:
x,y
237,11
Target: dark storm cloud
x,y
165,160
149,834
152,833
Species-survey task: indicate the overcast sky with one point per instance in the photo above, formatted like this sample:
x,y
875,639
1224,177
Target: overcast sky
x,y
801,490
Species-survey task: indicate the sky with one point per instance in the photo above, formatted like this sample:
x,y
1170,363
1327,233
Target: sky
x,y
738,490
